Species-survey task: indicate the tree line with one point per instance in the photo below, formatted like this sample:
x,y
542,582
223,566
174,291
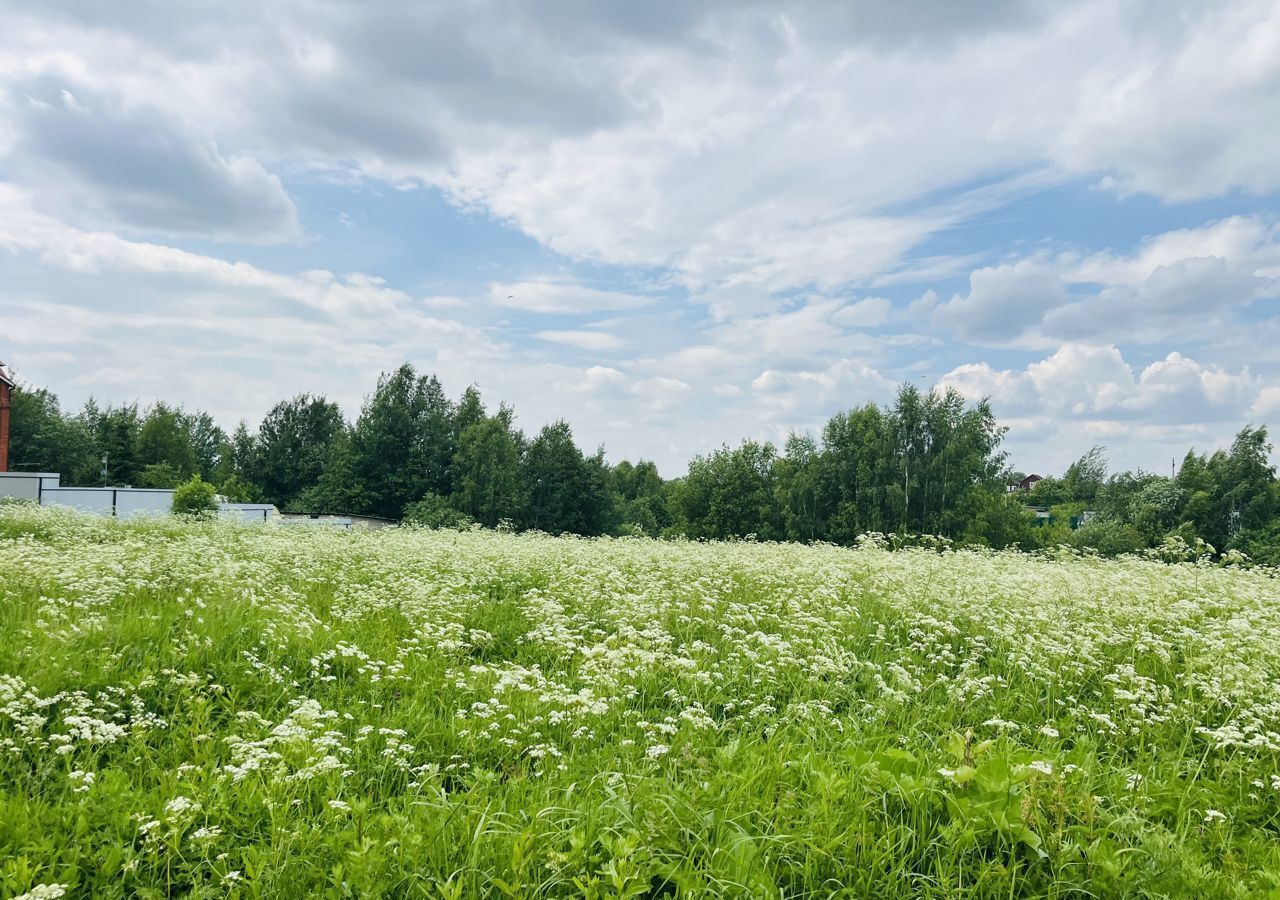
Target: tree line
x,y
927,463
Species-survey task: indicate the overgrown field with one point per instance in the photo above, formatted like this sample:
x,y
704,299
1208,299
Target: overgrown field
x,y
214,710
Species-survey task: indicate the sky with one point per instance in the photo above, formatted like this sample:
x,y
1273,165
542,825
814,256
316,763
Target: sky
x,y
675,224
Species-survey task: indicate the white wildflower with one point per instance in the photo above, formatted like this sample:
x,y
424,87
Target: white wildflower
x,y
44,892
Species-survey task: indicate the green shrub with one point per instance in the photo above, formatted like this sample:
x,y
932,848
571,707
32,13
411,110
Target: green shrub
x,y
237,490
195,498
434,511
1108,537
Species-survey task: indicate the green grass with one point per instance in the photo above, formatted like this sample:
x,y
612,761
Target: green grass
x,y
212,710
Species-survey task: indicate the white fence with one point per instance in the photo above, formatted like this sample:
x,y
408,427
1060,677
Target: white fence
x,y
27,485
122,502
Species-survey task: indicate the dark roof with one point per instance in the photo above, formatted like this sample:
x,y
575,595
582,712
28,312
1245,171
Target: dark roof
x,y
6,377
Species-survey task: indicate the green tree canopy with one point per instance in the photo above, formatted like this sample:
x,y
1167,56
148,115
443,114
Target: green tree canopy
x,y
294,442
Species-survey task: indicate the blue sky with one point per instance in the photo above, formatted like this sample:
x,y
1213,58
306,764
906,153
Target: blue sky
x,y
674,224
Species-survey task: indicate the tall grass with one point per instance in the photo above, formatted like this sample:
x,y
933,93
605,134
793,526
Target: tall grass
x,y
211,710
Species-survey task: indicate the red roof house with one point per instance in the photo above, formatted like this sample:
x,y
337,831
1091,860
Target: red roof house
x,y
1029,482
6,392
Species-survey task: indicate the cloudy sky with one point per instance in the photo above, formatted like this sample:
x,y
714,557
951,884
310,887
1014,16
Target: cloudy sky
x,y
674,223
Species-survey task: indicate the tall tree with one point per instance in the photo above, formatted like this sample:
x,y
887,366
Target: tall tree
x,y
338,489
854,470
115,431
42,439
208,442
468,412
164,440
486,470
403,441
566,492
640,498
731,493
798,476
294,443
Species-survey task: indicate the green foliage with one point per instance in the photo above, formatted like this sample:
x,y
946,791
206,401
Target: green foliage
x,y
1262,545
434,511
567,492
294,443
42,439
339,489
1109,537
205,709
237,490
1000,521
208,443
115,432
730,493
486,471
196,498
164,439
1085,477
159,475
402,443
927,464
640,505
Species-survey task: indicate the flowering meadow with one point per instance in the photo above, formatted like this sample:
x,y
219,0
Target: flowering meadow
x,y
226,710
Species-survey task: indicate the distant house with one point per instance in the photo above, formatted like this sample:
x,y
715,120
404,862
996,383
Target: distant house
x,y
1025,484
6,395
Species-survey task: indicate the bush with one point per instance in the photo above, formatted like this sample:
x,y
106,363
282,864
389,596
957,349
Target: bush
x,y
1109,537
237,490
195,498
1262,545
434,511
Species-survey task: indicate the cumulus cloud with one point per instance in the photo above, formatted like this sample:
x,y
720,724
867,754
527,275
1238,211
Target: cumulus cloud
x,y
734,143
765,163
1083,382
1193,115
1082,394
1187,284
1003,302
106,162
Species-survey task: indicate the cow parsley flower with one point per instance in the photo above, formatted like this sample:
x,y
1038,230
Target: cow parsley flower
x,y
43,892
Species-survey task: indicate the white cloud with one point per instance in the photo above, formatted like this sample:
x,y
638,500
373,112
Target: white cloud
x,y
103,161
866,313
1246,241
737,144
770,160
1085,393
561,296
1003,302
1082,381
583,340
1189,285
1191,113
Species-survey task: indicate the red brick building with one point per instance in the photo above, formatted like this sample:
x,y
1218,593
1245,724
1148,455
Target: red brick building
x,y
6,391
